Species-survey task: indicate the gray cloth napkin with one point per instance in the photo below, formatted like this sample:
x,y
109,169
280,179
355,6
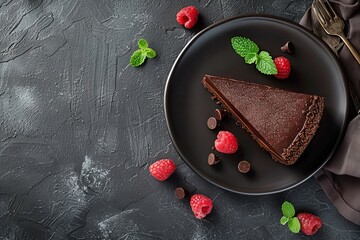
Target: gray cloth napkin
x,y
340,177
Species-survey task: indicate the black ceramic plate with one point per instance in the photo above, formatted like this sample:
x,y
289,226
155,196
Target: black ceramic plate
x,y
188,105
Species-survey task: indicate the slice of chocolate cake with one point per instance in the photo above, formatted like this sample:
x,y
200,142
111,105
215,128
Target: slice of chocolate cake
x,y
281,121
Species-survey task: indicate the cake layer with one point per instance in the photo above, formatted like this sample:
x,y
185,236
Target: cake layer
x,y
281,121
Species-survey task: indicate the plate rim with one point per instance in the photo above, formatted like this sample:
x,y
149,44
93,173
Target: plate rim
x,y
289,22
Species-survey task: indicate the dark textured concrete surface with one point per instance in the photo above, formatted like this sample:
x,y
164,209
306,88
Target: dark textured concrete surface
x,y
79,128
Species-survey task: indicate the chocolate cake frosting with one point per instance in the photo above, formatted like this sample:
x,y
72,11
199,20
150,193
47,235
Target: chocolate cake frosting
x,y
281,121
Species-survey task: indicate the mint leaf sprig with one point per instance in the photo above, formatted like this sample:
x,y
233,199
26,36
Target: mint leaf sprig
x,y
289,218
139,56
249,51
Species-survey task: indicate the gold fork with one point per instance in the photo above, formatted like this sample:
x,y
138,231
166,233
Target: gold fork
x,y
332,24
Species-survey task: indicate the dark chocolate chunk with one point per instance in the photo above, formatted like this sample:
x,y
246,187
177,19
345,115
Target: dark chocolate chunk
x,y
244,166
213,159
212,123
180,193
220,114
288,47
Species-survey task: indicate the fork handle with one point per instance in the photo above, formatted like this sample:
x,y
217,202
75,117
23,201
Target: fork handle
x,y
350,47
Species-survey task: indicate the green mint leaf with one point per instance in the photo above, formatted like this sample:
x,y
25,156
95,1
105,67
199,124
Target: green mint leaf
x,y
138,58
288,209
142,43
294,225
284,220
140,55
251,58
243,46
150,53
265,64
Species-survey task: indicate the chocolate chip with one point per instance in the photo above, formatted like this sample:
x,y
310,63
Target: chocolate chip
x,y
244,166
180,193
288,47
212,123
220,114
213,159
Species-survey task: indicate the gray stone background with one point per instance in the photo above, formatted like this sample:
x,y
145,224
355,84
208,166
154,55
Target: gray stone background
x,y
79,127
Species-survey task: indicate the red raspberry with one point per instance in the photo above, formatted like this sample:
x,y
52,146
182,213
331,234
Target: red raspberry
x,y
309,223
283,67
162,169
187,16
226,142
200,205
